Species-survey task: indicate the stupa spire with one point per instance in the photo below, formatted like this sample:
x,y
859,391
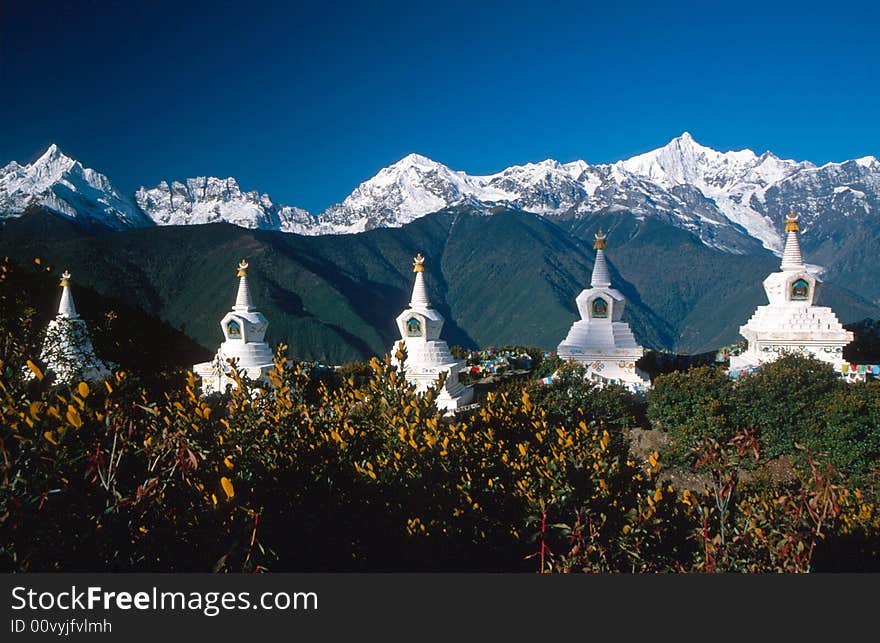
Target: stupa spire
x,y
601,277
419,297
243,298
791,257
66,308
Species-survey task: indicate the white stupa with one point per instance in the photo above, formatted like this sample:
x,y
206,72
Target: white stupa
x,y
67,349
244,330
426,354
600,340
791,323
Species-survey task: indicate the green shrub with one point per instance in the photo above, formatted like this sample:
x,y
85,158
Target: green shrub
x,y
691,405
851,432
784,401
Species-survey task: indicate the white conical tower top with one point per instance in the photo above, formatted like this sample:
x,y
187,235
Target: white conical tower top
x,y
66,308
420,293
601,276
243,298
791,257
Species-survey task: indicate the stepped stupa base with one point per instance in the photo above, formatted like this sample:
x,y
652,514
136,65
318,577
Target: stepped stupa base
x,y
770,350
612,367
453,396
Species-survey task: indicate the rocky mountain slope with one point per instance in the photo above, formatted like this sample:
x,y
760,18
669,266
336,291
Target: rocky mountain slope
x,y
212,200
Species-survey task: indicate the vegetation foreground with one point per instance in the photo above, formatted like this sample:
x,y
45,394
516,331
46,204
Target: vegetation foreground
x,y
351,470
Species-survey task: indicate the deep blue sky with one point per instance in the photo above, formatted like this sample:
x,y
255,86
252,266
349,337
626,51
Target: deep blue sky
x,y
305,101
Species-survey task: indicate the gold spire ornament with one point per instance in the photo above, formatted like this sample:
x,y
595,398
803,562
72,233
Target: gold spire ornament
x,y
791,222
242,268
419,263
65,279
599,243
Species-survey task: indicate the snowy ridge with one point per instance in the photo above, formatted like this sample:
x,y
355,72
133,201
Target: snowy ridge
x,y
212,200
415,186
734,201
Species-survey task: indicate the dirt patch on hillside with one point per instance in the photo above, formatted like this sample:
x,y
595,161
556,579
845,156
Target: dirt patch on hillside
x,y
643,442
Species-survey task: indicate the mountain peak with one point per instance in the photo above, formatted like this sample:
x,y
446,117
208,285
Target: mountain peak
x,y
52,152
685,141
414,159
683,160
52,156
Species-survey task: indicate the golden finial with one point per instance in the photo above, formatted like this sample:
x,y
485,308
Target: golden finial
x,y
599,243
242,268
791,222
419,263
65,279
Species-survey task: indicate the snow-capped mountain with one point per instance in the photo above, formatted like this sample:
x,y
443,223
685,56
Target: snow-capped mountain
x,y
415,186
398,194
756,191
734,181
731,200
734,201
63,185
212,200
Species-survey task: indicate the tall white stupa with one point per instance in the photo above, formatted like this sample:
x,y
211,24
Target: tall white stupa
x,y
791,323
244,330
600,340
67,349
426,354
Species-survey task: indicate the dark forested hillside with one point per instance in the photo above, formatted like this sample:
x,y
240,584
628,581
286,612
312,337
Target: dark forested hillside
x,y
510,277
